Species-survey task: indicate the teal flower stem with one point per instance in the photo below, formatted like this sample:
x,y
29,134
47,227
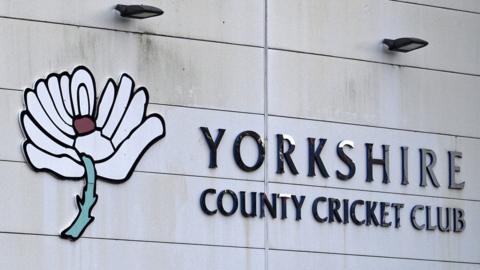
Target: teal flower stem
x,y
85,204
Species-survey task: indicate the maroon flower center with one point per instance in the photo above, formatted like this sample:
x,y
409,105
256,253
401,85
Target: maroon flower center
x,y
84,125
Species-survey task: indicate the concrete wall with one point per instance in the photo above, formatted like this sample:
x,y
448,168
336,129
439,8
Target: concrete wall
x,y
318,71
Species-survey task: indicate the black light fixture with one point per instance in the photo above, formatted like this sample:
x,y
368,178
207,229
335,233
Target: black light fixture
x,y
138,11
405,44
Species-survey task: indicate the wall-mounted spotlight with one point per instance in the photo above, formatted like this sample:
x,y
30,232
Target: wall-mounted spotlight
x,y
138,11
405,44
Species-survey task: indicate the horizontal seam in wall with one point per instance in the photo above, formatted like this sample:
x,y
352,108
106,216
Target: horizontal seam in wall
x,y
133,32
172,105
165,173
13,161
283,183
238,247
202,176
374,256
372,126
440,7
11,89
373,62
133,240
299,118
205,108
374,191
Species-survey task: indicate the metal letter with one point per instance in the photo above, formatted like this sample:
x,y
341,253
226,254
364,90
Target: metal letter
x,y
424,168
283,201
428,214
452,183
440,219
404,165
345,211
213,145
333,206
315,209
413,219
281,155
236,151
314,157
370,213
220,207
458,220
271,206
203,205
298,206
253,204
346,159
397,207
383,214
353,215
373,161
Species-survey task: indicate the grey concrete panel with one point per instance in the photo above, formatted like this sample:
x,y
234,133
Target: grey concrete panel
x,y
349,91
300,130
175,71
285,260
47,252
226,21
404,242
355,29
148,206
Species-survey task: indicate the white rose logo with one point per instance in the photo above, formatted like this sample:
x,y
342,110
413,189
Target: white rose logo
x,y
69,136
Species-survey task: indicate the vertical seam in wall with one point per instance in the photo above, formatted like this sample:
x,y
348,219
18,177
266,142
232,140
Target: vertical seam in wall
x,y
265,120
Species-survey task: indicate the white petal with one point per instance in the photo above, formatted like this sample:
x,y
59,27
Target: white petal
x,y
44,141
132,118
82,76
62,166
49,108
121,165
37,112
119,106
83,101
94,145
55,93
106,102
65,89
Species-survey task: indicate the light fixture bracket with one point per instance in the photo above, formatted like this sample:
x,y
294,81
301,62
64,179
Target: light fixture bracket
x,y
138,11
404,44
